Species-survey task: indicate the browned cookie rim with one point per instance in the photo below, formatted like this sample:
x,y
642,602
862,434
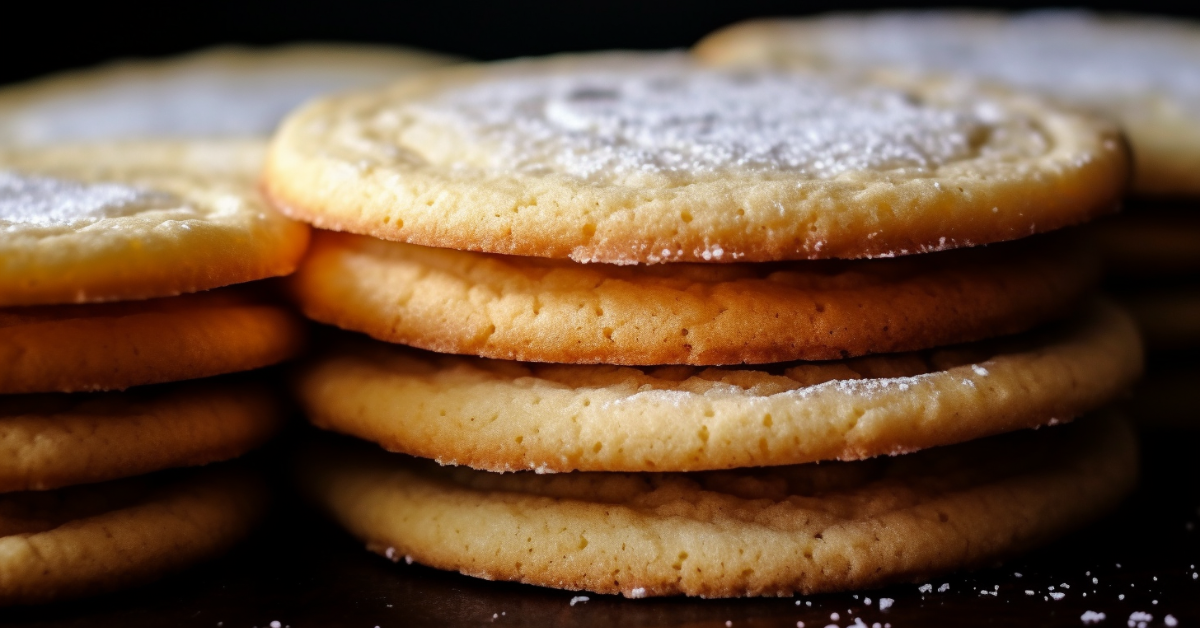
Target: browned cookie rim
x,y
509,416
114,346
601,533
537,310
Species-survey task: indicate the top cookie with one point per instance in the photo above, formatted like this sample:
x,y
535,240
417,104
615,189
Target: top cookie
x,y
228,91
1143,71
629,158
126,221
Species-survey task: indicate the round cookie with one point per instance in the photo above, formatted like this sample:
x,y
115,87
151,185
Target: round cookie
x,y
535,309
506,416
748,532
1169,318
136,220
113,346
94,539
51,441
1151,240
631,158
226,91
1141,71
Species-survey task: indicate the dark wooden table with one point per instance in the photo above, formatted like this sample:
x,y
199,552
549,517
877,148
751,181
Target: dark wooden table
x,y
301,572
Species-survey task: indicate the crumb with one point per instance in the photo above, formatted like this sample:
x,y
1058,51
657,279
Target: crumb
x,y
885,603
579,598
1092,617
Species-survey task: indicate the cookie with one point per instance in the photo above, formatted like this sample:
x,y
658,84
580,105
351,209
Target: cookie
x,y
749,532
51,441
1141,71
1151,240
227,91
136,220
93,539
1168,317
647,157
112,346
505,416
535,309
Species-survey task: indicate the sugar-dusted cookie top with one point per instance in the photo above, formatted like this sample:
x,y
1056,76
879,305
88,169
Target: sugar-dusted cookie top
x,y
227,91
629,158
1144,72
122,221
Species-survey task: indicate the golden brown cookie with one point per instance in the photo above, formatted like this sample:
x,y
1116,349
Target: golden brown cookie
x,y
506,416
747,532
1139,70
534,309
136,220
647,157
51,441
112,346
87,540
219,92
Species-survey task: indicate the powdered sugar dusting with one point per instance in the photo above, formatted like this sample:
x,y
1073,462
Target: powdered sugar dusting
x,y
668,118
33,201
1071,54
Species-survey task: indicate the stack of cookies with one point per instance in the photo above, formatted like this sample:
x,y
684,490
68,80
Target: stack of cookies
x,y
1139,71
676,330
104,252
113,262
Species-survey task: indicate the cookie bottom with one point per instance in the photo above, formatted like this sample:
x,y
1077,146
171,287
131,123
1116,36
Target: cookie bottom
x,y
94,539
748,532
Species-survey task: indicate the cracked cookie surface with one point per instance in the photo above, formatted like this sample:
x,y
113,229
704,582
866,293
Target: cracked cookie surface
x,y
747,532
136,220
534,309
506,416
645,158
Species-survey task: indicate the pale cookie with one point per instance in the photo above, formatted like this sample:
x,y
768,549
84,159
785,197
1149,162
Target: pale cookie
x,y
94,539
136,220
112,346
629,158
1141,71
774,531
1168,317
535,309
1151,240
227,91
51,441
505,416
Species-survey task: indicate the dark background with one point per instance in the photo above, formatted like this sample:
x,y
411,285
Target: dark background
x,y
41,36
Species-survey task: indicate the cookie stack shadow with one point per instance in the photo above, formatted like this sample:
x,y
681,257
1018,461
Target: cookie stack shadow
x,y
113,275
774,423
1152,254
